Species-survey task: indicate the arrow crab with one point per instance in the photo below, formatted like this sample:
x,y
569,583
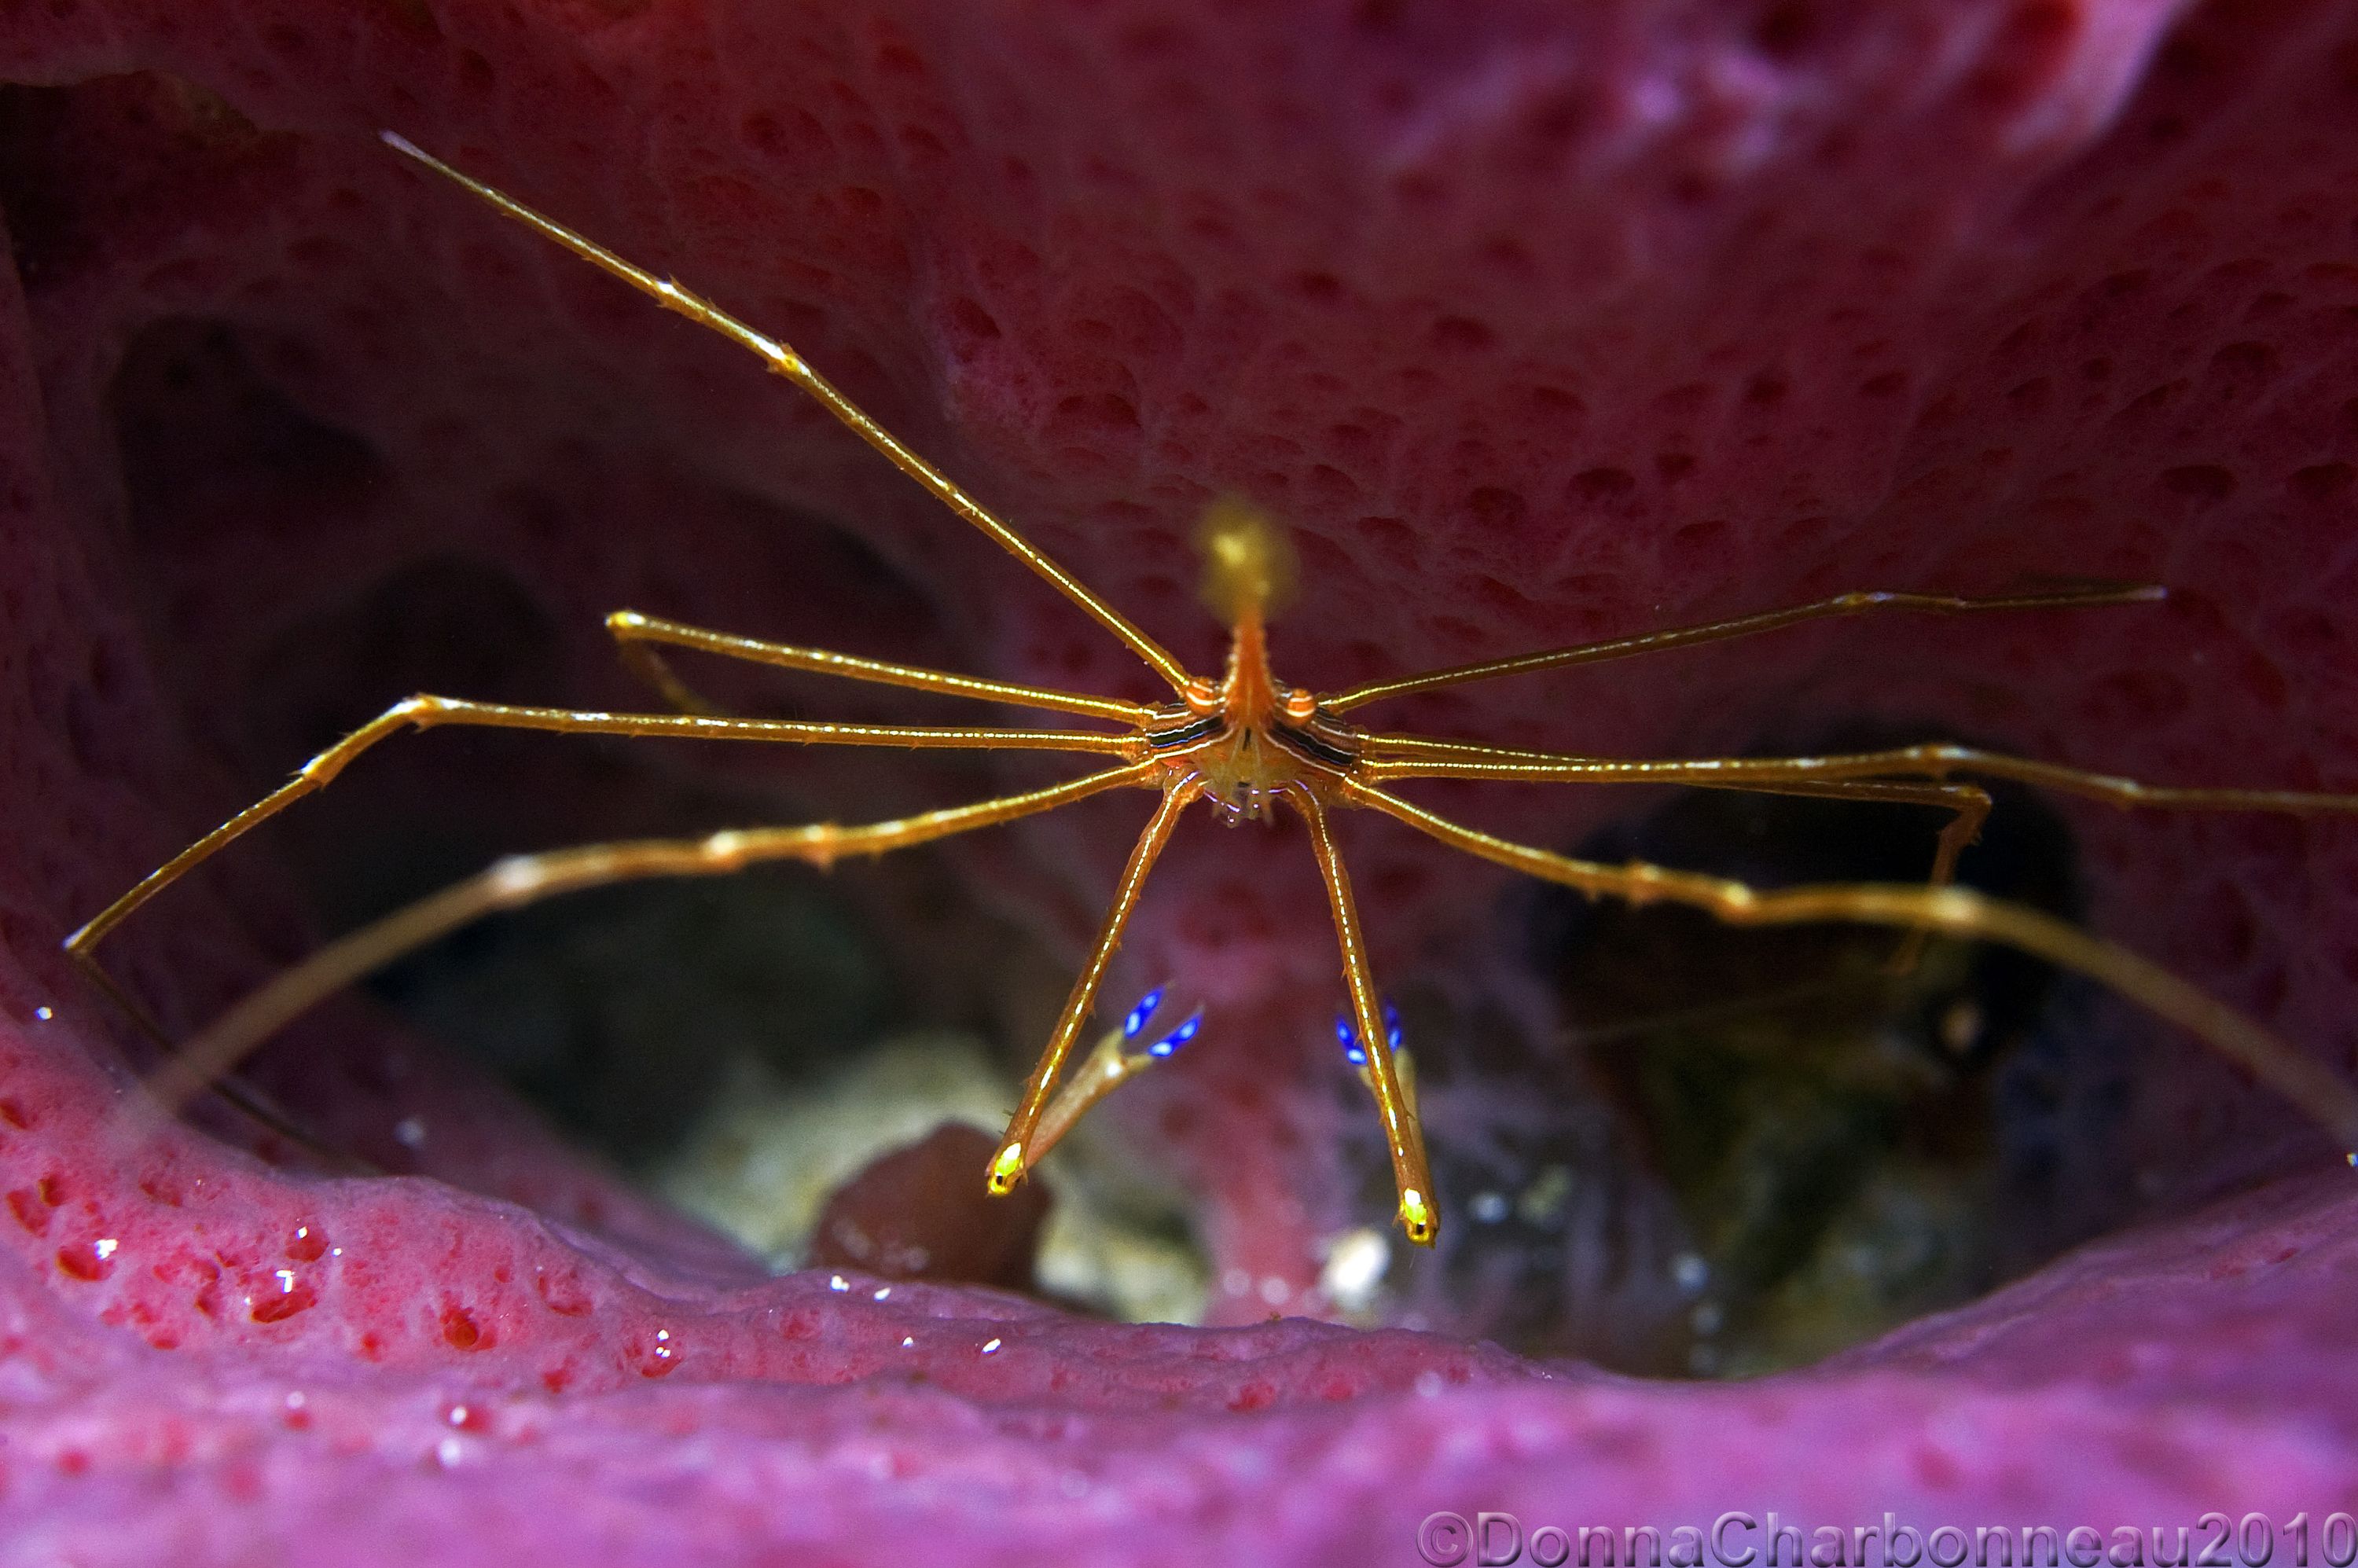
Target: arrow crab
x,y
1247,746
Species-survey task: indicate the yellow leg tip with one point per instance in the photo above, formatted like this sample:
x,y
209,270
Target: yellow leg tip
x,y
1006,1171
1417,1218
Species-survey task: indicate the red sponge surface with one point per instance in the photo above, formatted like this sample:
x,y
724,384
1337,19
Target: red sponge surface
x,y
1537,324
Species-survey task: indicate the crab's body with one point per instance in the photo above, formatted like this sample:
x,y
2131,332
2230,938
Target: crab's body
x,y
1244,748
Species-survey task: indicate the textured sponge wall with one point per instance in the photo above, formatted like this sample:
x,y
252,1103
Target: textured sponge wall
x,y
1537,324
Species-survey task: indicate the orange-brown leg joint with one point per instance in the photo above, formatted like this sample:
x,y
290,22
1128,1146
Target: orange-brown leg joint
x,y
1015,1155
1418,1217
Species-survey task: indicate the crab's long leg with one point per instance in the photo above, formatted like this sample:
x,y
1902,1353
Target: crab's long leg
x,y
1857,603
1392,757
1387,758
1968,806
520,880
1958,912
426,712
784,361
251,1103
638,634
1015,1152
1402,1136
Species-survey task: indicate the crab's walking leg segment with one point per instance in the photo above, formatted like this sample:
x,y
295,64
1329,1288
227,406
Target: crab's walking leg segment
x,y
1417,1216
1016,1151
1390,757
1851,776
1857,603
432,713
528,879
639,634
1105,1069
1957,912
248,1102
427,712
1968,806
784,361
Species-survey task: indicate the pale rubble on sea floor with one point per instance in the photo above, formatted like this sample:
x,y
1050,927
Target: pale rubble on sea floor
x,y
761,1162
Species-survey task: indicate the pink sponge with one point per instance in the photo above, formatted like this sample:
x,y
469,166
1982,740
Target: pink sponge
x,y
1538,324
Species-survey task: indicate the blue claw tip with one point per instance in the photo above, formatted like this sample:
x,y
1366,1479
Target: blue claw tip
x,y
1179,1036
1136,1022
1348,1038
